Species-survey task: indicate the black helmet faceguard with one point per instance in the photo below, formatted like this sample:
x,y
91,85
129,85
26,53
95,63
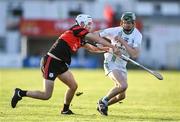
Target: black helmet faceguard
x,y
129,17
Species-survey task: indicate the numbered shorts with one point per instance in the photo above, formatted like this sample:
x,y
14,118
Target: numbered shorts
x,y
109,66
51,67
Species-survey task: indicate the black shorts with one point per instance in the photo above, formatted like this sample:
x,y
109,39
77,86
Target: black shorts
x,y
51,67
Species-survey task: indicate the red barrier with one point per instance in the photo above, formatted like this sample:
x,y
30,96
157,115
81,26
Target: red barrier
x,y
40,27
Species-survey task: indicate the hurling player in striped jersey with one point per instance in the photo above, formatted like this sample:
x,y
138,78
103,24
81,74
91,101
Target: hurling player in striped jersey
x,y
55,64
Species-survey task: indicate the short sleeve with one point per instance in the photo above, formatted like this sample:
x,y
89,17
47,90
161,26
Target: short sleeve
x,y
106,32
79,31
137,41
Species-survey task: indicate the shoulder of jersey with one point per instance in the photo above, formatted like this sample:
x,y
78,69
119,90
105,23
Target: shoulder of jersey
x,y
137,31
115,29
118,28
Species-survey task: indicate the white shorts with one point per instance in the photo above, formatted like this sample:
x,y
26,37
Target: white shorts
x,y
109,66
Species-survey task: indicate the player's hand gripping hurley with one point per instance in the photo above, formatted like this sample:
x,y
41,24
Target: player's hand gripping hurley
x,y
155,73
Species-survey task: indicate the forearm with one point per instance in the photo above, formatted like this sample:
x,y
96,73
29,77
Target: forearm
x,y
96,49
95,37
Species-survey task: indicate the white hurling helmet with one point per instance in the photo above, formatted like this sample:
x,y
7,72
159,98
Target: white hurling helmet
x,y
83,18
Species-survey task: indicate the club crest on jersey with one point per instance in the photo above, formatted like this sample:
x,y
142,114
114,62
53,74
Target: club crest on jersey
x,y
126,39
51,75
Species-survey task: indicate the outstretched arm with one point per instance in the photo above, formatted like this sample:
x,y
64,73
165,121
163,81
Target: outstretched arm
x,y
96,38
95,49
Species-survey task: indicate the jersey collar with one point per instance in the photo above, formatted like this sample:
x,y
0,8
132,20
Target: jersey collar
x,y
129,31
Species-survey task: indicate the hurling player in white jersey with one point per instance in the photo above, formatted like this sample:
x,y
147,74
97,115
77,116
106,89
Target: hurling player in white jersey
x,y
128,39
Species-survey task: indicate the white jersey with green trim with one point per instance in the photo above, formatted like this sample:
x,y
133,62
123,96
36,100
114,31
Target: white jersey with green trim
x,y
133,39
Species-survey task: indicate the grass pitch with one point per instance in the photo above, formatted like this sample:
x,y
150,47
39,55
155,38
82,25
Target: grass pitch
x,y
148,99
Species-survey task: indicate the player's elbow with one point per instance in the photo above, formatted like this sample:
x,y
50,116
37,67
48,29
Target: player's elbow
x,y
122,87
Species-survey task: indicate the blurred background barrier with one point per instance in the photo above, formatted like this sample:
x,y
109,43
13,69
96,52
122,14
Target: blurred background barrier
x,y
28,28
90,62
32,61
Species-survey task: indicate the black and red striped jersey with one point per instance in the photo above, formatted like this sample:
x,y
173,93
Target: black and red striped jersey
x,y
69,42
74,37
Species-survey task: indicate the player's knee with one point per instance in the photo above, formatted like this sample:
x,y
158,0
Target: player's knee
x,y
47,96
122,87
120,97
74,86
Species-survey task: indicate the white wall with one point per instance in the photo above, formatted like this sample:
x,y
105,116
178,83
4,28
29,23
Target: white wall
x,y
144,8
148,8
41,10
10,60
3,14
60,9
165,47
13,42
12,56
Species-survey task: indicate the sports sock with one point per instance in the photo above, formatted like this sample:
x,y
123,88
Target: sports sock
x,y
22,93
105,100
66,107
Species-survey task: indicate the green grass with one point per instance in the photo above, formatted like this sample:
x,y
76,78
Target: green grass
x,y
148,99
